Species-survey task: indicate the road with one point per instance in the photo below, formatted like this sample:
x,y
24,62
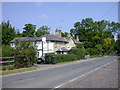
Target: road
x,y
53,77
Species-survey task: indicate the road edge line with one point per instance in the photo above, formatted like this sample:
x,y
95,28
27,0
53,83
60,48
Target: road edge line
x,y
83,75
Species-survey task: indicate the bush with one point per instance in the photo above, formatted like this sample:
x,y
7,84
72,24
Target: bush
x,y
118,58
78,52
7,51
60,58
92,51
26,53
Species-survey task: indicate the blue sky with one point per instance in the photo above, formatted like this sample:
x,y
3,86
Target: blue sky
x,y
61,15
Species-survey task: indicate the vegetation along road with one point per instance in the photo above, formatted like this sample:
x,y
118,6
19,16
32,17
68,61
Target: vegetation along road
x,y
53,77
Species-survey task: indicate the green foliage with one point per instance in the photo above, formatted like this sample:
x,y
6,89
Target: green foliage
x,y
42,31
8,32
92,51
64,34
93,33
7,51
117,45
118,58
99,49
78,52
18,34
29,30
80,46
26,53
60,58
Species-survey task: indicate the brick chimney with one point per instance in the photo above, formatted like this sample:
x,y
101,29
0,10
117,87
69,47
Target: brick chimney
x,y
58,32
77,37
68,35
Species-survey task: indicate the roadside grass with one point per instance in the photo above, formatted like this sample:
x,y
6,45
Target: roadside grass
x,y
96,56
18,70
118,59
66,62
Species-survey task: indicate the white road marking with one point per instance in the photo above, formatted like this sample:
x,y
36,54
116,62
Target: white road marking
x,y
83,75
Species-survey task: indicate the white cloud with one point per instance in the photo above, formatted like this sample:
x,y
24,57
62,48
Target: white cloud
x,y
44,16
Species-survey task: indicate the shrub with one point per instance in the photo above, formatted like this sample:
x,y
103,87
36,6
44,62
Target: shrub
x,y
7,51
60,58
118,58
78,52
92,51
26,53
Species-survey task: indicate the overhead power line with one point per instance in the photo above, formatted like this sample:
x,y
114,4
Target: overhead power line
x,y
108,10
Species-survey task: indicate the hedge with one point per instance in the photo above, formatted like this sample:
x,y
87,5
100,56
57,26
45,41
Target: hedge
x,y
60,58
78,52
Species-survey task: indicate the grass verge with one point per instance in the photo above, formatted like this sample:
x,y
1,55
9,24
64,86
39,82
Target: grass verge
x,y
66,62
118,59
18,70
96,56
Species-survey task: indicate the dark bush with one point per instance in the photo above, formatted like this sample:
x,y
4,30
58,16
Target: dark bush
x,y
26,53
7,51
60,58
78,52
92,51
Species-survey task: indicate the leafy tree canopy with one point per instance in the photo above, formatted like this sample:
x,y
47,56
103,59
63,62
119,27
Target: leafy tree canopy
x,y
42,31
8,32
29,30
64,34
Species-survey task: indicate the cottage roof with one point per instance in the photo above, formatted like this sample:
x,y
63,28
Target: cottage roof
x,y
77,42
48,38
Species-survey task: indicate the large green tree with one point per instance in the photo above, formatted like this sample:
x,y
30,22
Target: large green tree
x,y
42,31
93,33
8,32
29,30
117,44
64,34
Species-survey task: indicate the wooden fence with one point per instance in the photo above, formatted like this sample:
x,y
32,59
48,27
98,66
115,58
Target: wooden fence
x,y
1,62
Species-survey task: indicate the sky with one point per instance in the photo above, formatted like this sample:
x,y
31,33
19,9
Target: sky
x,y
61,15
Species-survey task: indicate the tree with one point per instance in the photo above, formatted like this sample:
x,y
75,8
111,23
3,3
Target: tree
x,y
107,44
64,34
42,31
93,33
117,44
8,32
27,53
29,30
18,34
